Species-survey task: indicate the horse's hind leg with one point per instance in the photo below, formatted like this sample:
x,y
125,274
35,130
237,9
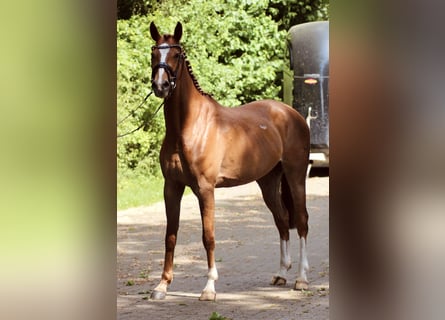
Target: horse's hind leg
x,y
294,197
271,189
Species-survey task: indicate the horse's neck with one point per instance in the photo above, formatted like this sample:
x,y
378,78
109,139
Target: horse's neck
x,y
183,106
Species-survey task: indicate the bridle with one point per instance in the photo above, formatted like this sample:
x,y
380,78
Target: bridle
x,y
171,74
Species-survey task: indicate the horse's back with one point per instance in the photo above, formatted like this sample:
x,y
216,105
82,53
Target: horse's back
x,y
273,109
287,120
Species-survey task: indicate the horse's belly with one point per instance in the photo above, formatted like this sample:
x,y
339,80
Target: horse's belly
x,y
245,170
250,155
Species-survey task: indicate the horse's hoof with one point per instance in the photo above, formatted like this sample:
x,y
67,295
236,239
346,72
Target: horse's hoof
x,y
207,296
158,295
301,285
278,281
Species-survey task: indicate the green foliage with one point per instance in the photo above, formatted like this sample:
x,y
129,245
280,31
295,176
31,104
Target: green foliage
x,y
288,13
217,316
236,49
136,190
127,8
140,149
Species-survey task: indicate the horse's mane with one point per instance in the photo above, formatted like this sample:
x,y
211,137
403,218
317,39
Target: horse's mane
x,y
192,75
167,38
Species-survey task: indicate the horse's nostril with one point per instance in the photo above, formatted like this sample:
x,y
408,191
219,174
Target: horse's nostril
x,y
165,84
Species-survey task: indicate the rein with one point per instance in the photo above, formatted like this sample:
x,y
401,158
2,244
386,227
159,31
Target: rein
x,y
132,112
172,77
171,74
144,122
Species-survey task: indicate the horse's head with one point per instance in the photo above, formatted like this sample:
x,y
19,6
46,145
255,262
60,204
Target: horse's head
x,y
166,59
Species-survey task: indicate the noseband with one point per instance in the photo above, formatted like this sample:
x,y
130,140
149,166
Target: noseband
x,y
171,74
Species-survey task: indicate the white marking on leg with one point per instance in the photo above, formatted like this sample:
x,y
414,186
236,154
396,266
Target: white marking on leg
x,y
212,276
285,259
303,266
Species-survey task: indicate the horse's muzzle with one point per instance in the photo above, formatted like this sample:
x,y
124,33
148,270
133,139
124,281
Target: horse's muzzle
x,y
161,90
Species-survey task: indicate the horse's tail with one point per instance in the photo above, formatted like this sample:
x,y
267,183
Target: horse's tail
x,y
288,202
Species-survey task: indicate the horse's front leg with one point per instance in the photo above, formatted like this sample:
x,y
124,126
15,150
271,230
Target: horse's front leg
x,y
172,197
206,198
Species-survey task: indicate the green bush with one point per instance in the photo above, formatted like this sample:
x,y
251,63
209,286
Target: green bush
x,y
141,148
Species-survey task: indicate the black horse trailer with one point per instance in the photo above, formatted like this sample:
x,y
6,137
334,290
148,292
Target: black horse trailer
x,y
306,79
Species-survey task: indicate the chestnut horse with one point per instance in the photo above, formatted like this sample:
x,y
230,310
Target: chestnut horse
x,y
207,146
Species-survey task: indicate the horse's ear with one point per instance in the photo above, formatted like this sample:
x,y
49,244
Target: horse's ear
x,y
178,32
154,32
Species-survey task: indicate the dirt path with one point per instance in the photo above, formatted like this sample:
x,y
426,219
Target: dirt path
x,y
247,253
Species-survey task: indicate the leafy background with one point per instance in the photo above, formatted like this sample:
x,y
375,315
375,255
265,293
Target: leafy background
x,y
236,49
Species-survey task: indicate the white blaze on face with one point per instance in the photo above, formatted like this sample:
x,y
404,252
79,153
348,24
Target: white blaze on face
x,y
164,53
